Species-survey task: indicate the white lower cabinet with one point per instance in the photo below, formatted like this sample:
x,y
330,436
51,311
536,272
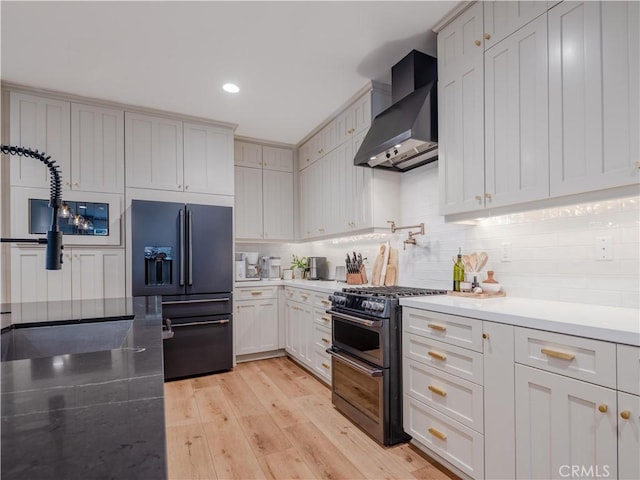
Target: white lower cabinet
x,y
308,330
443,406
256,321
85,274
563,424
628,436
519,403
463,447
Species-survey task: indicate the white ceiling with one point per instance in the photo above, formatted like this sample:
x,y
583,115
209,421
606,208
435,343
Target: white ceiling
x,y
295,62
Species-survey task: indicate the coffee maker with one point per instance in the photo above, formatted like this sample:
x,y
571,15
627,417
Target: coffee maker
x,y
247,267
270,268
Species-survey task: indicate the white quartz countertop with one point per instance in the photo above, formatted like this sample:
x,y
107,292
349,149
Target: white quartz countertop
x,y
614,324
325,286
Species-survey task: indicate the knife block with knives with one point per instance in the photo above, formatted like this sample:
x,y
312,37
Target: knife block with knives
x,y
356,271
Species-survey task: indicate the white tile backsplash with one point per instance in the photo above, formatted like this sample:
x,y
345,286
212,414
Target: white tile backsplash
x,y
552,250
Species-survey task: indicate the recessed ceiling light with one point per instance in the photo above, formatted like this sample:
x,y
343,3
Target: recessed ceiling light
x,y
398,146
372,158
231,88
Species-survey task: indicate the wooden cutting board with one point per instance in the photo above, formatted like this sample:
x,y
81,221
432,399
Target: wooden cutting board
x,y
377,266
392,268
385,263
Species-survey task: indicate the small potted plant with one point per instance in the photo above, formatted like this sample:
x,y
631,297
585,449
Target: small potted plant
x,y
299,265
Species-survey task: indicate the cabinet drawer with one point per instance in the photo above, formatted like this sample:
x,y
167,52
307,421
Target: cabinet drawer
x,y
321,300
461,331
322,365
321,337
457,398
459,445
298,295
629,369
247,293
581,358
448,358
321,317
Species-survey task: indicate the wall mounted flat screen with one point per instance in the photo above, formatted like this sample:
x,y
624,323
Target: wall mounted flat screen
x,y
74,218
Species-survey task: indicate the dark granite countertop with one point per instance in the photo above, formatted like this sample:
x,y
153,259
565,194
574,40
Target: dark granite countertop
x,y
86,415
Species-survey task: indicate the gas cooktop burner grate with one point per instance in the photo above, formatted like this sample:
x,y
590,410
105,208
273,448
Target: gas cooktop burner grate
x,y
394,292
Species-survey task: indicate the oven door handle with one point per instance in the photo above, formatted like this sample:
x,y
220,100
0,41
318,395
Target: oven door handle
x,y
197,324
372,372
351,318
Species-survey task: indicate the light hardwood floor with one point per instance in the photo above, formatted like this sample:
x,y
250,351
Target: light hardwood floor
x,y
272,419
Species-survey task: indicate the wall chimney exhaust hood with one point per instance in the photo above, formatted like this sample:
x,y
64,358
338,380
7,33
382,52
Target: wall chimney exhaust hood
x,y
405,135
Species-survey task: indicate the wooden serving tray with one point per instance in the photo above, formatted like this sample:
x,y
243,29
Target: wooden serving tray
x,y
476,295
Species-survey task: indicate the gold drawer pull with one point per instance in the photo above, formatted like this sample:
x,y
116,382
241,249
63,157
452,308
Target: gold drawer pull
x,y
256,293
626,414
326,340
437,434
437,356
325,302
326,319
438,391
603,408
485,336
556,354
325,365
434,326
304,296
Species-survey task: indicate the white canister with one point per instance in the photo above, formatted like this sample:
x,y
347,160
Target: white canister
x,y
287,274
240,270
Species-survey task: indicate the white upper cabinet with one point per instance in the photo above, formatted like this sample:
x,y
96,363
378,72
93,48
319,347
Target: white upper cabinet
x,y
362,111
593,95
264,192
153,152
461,113
516,113
43,124
280,159
248,202
97,149
208,159
247,155
503,18
277,204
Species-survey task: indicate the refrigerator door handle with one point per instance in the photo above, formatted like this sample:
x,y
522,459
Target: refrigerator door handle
x,y
190,252
182,247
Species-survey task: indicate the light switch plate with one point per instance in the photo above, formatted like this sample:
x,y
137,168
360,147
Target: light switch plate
x,y
604,248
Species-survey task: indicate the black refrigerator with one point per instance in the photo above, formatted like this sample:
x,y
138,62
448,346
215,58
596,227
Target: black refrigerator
x,y
184,252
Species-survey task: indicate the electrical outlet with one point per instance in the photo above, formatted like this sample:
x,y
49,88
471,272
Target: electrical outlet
x,y
604,248
506,252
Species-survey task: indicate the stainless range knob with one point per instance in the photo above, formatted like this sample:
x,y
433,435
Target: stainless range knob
x,y
366,305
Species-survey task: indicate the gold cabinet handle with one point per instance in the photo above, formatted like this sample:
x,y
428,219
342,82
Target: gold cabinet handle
x,y
434,326
478,43
326,319
325,365
638,165
626,414
479,198
257,292
487,196
603,408
485,336
437,356
180,186
487,36
437,433
556,354
326,340
325,302
437,391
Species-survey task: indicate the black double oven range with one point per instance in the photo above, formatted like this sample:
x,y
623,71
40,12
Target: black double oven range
x,y
366,357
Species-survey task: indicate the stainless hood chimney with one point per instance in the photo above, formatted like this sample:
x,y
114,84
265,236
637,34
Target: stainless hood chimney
x,y
405,135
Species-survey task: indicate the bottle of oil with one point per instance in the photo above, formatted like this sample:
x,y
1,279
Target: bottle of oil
x,y
458,272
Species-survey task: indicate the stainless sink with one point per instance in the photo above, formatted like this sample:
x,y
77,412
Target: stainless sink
x,y
23,341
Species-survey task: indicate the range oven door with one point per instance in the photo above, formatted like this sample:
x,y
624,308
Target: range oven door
x,y
365,338
358,391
